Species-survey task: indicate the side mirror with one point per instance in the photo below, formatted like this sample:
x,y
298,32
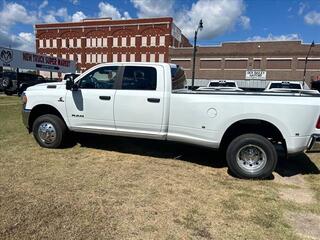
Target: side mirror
x,y
70,84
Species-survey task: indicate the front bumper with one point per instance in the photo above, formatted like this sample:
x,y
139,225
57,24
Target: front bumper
x,y
25,117
315,138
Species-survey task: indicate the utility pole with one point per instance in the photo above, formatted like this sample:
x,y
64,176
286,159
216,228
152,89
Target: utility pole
x,y
200,27
305,64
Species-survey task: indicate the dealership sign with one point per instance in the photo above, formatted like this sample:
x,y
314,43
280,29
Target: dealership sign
x,y
256,75
26,60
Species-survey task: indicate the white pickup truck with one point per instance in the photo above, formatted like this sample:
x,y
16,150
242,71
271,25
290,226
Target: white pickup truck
x,y
148,100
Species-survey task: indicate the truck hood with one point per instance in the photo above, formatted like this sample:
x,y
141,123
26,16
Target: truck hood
x,y
49,86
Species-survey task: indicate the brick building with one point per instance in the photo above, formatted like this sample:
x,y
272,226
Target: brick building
x,y
281,60
93,41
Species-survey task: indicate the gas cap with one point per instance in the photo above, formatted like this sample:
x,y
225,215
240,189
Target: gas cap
x,y
212,112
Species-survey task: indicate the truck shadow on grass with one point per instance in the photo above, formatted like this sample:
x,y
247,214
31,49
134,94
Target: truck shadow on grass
x,y
287,167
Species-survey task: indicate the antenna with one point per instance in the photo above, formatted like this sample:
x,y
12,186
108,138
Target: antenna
x,y
305,64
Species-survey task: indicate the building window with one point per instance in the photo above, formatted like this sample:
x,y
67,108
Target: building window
x,y
182,62
256,63
236,63
161,57
71,57
313,63
88,42
279,63
162,41
48,43
115,57
153,41
105,58
152,57
124,42
132,57
54,43
41,43
115,42
93,58
71,43
207,63
79,58
99,58
144,41
123,57
132,41
54,55
64,56
93,42
99,42
105,42
143,57
79,43
63,43
88,60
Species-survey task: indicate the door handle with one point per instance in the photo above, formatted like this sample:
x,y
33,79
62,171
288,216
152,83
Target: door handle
x,y
105,98
154,100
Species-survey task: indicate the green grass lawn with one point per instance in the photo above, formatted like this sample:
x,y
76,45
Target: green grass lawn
x,y
119,188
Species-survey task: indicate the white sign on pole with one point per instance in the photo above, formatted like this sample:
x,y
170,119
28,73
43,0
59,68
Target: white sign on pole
x,y
26,60
256,75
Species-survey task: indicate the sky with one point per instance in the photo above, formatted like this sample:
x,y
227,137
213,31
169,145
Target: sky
x,y
224,20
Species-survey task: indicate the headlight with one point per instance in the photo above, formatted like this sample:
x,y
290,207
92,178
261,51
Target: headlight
x,y
24,98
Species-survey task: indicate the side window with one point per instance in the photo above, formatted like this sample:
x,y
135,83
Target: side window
x,y
178,78
101,78
139,78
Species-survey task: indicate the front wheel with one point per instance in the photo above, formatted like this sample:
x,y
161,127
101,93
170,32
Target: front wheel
x,y
251,156
49,131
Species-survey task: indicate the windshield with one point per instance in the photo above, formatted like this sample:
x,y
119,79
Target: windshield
x,y
222,84
285,85
178,78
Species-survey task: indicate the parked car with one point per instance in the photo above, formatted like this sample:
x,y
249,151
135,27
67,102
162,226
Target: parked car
x,y
140,100
16,83
221,85
274,85
315,85
1,88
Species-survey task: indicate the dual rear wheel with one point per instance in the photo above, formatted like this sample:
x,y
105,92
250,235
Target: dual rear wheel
x,y
251,156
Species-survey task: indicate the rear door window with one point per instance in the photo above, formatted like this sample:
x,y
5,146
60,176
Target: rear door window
x,y
139,78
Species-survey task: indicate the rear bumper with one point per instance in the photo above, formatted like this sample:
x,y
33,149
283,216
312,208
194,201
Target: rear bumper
x,y
315,138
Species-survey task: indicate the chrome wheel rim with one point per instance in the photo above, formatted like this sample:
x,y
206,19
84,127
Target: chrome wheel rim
x,y
251,158
5,82
47,133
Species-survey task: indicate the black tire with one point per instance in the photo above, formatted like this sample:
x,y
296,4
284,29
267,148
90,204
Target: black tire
x,y
9,93
56,124
259,165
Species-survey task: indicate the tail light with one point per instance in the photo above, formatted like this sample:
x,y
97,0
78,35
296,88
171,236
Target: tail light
x,y
318,124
